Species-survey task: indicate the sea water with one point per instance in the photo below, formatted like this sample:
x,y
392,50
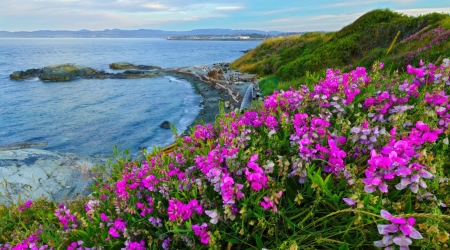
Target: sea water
x,y
90,116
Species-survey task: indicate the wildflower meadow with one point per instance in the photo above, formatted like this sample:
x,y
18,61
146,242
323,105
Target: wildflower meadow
x,y
358,160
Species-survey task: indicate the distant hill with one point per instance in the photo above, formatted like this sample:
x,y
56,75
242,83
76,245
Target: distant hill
x,y
118,33
383,35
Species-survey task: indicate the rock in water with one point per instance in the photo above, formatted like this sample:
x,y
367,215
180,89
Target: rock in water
x,y
125,65
32,173
21,145
165,125
64,72
27,74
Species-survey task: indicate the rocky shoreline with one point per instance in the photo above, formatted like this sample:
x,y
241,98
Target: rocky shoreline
x,y
35,173
28,173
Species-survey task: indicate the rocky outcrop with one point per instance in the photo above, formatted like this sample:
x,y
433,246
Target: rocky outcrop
x,y
125,65
64,72
57,73
33,173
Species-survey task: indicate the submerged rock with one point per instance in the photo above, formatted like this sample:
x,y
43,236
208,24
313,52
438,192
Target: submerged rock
x,y
33,173
125,65
21,145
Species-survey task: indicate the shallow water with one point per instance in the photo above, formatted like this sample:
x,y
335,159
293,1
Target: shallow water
x,y
90,116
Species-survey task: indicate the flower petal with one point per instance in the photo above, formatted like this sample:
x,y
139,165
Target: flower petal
x,y
402,240
415,234
398,220
385,214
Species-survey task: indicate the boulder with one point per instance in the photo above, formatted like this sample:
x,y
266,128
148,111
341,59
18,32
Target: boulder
x,y
165,125
125,65
65,72
34,173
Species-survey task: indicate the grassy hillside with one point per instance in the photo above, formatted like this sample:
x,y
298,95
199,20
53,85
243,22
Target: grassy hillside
x,y
379,35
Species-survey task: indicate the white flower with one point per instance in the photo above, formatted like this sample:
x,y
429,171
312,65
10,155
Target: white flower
x,y
213,215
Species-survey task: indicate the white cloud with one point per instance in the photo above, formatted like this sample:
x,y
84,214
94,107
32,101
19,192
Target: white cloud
x,y
155,6
423,11
229,8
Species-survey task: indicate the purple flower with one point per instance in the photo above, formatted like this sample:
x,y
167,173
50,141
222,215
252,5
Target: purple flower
x,y
104,217
349,201
113,232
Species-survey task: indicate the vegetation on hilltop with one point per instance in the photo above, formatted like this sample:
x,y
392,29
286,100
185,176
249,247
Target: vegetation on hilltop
x,y
379,35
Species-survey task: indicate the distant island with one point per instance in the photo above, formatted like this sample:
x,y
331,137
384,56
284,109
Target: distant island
x,y
202,34
243,37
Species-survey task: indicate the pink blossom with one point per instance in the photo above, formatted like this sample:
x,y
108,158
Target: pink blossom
x,y
113,232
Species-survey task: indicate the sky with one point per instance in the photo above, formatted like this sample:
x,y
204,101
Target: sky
x,y
182,15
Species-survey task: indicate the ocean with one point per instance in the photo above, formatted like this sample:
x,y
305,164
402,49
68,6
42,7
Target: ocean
x,y
90,116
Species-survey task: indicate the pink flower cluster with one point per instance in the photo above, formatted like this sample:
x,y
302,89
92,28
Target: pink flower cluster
x,y
272,202
309,139
365,137
26,205
255,174
202,232
68,220
31,243
397,159
178,210
440,102
204,132
119,226
134,245
400,232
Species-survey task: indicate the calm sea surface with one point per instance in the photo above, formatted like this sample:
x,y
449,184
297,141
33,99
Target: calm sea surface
x,y
89,116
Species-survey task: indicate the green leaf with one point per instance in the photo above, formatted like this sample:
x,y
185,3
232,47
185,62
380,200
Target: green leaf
x,y
343,247
258,240
83,234
233,240
408,205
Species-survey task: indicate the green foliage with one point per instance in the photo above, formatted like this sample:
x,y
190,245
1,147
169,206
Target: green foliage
x,y
359,43
268,85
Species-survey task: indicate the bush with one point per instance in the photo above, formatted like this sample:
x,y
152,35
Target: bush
x,y
358,155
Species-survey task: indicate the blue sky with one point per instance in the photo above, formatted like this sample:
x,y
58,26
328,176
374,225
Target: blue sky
x,y
281,15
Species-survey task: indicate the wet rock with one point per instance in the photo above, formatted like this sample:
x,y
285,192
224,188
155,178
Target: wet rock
x,y
165,125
